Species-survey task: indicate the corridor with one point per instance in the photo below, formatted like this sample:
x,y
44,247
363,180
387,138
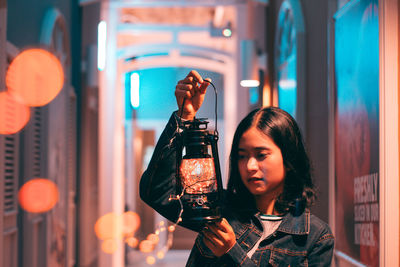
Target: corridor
x,y
87,88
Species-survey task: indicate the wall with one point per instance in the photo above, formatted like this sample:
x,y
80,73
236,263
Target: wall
x,y
315,14
87,246
315,106
24,20
3,21
47,145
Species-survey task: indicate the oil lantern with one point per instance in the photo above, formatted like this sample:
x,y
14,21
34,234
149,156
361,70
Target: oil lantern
x,y
198,173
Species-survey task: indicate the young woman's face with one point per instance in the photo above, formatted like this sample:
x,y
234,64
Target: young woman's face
x,y
260,163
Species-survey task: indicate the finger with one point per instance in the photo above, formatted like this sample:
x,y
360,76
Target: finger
x,y
217,232
184,81
187,84
211,230
203,86
214,226
215,240
194,74
184,86
195,83
180,94
184,90
210,244
224,226
190,80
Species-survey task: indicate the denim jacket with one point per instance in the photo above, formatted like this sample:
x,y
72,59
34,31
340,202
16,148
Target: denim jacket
x,y
300,240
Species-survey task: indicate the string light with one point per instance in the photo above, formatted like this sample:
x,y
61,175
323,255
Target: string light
x,y
148,245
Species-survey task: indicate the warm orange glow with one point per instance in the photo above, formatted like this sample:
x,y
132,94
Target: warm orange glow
x,y
198,175
153,238
108,226
131,222
38,195
150,260
133,242
35,77
160,254
13,115
146,246
266,96
109,246
171,228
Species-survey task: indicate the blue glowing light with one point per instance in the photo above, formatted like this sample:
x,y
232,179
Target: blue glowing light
x,y
135,86
101,45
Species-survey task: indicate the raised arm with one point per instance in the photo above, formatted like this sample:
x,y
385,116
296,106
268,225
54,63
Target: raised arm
x,y
158,182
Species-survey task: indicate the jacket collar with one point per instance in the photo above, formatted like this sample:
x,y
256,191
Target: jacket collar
x,y
291,223
297,225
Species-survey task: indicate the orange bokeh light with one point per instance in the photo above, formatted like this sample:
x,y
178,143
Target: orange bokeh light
x,y
38,195
131,222
133,242
35,77
108,226
153,238
13,115
109,246
146,246
160,254
150,260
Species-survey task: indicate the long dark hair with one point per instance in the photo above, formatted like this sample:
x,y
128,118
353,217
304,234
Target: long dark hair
x,y
298,192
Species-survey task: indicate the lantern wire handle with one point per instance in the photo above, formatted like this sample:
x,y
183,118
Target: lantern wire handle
x,y
216,107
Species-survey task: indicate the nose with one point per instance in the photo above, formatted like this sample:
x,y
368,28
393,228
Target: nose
x,y
252,164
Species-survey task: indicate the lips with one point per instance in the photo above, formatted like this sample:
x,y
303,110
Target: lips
x,y
255,179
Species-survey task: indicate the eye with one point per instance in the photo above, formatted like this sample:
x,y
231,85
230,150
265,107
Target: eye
x,y
262,155
241,156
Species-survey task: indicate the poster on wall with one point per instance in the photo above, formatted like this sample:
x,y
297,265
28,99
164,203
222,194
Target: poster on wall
x,y
286,60
357,133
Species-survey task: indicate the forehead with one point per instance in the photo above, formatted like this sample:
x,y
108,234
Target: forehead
x,y
254,137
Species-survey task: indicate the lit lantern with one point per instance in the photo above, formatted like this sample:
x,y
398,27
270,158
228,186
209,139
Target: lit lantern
x,y
198,173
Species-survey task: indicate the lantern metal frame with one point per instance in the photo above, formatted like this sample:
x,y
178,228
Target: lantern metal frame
x,y
204,207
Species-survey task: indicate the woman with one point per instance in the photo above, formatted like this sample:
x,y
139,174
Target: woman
x,y
266,217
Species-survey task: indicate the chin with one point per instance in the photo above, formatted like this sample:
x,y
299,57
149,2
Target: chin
x,y
259,191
